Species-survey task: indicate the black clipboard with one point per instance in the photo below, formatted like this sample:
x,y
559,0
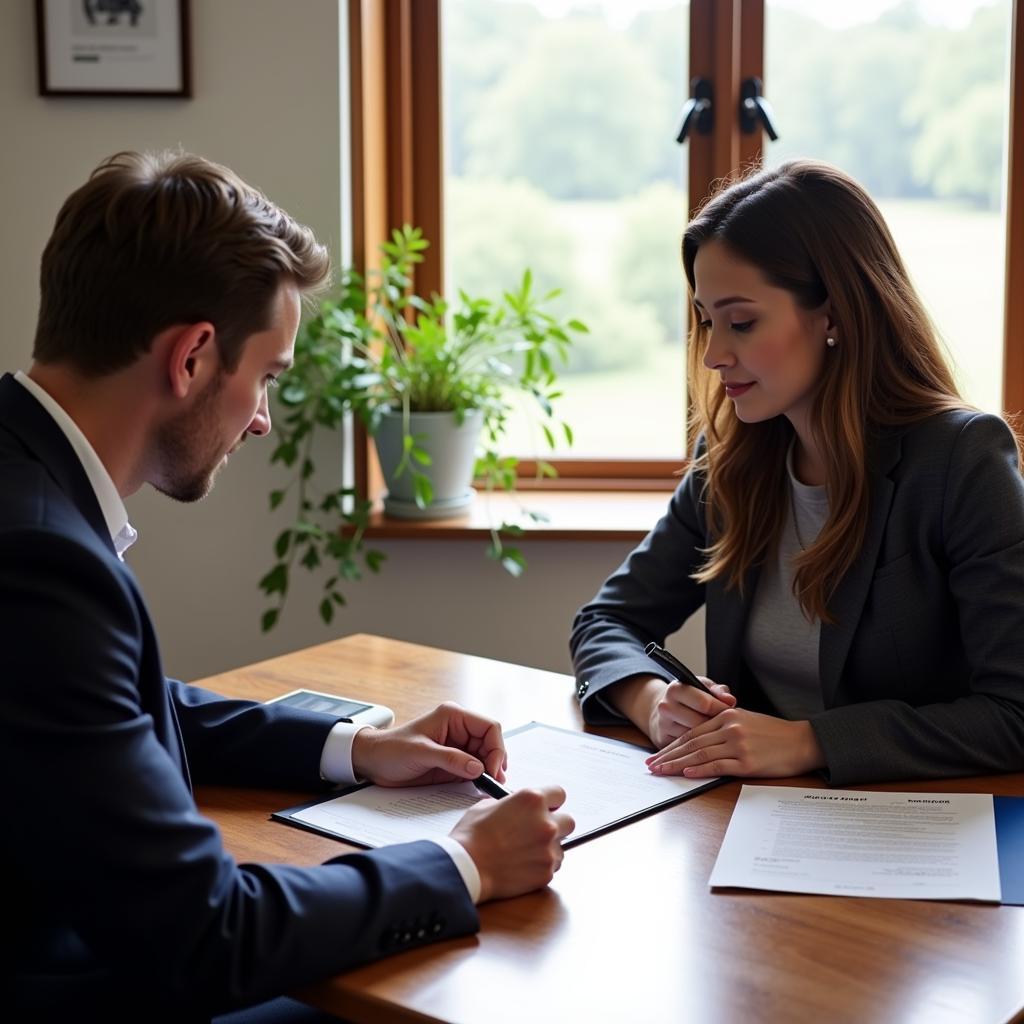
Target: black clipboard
x,y
287,816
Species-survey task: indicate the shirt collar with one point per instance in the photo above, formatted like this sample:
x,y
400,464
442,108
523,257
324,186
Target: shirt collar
x,y
122,533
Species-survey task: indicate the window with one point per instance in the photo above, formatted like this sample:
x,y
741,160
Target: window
x,y
542,99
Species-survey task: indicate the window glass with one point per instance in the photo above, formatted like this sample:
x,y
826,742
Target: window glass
x,y
911,99
560,156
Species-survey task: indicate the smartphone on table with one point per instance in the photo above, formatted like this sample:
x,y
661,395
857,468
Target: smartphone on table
x,y
351,710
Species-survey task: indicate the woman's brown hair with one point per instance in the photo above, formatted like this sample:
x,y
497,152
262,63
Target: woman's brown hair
x,y
157,239
812,230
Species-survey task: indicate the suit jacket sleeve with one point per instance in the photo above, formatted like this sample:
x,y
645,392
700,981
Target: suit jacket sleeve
x,y
245,743
648,597
979,566
103,833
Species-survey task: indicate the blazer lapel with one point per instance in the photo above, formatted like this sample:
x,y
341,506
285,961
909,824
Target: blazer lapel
x,y
848,601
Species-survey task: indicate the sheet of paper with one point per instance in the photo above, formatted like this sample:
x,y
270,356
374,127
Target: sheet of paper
x,y
605,781
848,843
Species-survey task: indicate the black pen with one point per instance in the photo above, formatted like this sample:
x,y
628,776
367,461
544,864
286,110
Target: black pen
x,y
491,786
672,664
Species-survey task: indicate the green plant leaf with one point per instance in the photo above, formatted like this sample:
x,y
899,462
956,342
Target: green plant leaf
x,y
374,560
276,497
421,456
269,619
286,452
513,562
282,543
348,570
326,610
275,581
423,491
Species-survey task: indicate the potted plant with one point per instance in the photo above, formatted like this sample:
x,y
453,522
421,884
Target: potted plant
x,y
429,380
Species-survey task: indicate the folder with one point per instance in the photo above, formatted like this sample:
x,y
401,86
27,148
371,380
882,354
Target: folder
x,y
1009,812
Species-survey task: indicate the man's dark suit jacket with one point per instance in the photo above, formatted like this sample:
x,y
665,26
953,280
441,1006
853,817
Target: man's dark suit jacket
x,y
120,901
923,674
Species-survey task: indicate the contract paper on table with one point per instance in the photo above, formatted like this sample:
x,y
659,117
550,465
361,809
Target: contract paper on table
x,y
850,843
606,783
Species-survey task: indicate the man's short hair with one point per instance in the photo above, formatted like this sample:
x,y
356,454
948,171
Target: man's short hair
x,y
157,239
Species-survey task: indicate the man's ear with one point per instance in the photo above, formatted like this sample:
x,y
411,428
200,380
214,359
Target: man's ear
x,y
192,357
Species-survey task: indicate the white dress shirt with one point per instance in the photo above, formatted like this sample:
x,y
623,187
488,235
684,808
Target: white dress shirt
x,y
336,759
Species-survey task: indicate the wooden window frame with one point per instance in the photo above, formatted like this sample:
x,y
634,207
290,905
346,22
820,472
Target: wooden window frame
x,y
398,176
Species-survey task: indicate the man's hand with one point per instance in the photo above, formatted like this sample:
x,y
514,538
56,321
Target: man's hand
x,y
738,742
444,745
515,842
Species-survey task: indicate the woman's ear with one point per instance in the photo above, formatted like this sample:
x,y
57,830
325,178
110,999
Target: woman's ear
x,y
825,321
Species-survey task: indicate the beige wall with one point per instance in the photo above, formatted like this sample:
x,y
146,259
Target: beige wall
x,y
267,103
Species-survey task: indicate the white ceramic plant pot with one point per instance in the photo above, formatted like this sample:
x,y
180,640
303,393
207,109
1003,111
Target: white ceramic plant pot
x,y
452,450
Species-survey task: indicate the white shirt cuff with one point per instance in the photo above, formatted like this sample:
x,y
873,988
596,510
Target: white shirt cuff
x,y
336,766
336,758
463,863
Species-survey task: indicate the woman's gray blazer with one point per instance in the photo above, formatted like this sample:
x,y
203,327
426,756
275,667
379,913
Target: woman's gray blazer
x,y
923,674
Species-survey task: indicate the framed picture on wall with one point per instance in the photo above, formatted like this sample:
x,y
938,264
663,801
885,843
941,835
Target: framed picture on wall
x,y
113,48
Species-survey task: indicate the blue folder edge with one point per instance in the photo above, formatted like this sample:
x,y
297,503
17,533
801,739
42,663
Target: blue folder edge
x,y
1009,812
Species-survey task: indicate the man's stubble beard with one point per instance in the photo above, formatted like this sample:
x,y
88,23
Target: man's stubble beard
x,y
189,447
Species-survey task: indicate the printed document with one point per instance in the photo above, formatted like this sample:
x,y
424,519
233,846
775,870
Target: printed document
x,y
606,783
849,843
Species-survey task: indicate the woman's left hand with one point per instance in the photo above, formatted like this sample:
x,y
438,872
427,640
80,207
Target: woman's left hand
x,y
738,742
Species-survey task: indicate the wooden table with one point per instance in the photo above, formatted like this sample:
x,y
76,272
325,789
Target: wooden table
x,y
629,930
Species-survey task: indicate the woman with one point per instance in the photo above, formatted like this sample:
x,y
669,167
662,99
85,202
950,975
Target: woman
x,y
854,529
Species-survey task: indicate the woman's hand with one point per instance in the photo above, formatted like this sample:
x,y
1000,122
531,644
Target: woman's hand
x,y
664,711
745,743
683,707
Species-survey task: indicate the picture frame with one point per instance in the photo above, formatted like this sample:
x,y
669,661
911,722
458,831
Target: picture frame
x,y
114,48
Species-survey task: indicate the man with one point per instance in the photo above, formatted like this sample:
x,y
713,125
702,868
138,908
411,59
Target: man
x,y
170,299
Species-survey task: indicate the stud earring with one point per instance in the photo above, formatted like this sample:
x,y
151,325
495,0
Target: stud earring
x,y
830,341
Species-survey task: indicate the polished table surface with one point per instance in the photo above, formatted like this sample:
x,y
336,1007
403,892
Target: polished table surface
x,y
629,929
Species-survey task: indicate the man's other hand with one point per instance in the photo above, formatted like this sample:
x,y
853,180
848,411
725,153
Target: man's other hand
x,y
515,842
445,745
